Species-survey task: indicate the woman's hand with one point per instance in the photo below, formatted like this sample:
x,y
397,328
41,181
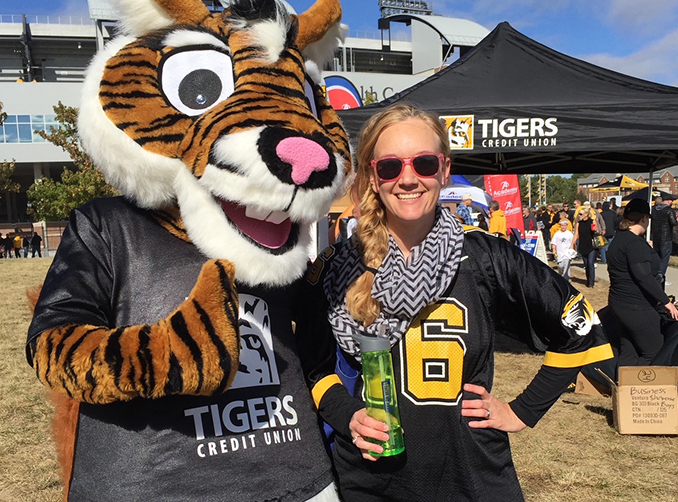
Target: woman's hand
x,y
673,311
497,414
363,426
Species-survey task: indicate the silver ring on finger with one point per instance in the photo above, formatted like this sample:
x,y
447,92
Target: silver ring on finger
x,y
355,439
488,414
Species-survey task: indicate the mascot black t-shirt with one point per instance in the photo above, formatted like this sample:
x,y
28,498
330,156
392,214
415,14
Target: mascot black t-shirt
x,y
254,442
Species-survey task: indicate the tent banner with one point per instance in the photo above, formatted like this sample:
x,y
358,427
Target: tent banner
x,y
505,189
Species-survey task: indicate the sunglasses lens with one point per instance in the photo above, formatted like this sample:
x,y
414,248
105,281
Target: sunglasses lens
x,y
389,169
426,165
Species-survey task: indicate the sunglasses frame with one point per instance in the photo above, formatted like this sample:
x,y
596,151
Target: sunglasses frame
x,y
407,161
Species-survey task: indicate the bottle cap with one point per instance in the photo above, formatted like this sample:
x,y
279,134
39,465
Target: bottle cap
x,y
373,343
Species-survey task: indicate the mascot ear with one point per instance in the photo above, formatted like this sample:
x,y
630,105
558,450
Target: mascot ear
x,y
139,17
317,21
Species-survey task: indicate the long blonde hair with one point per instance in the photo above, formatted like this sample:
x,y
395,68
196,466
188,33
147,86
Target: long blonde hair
x,y
372,231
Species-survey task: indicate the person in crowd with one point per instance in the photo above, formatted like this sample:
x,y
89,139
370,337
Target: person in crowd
x,y
529,221
610,218
411,274
9,245
555,218
464,209
482,222
574,212
583,242
25,244
620,215
566,208
17,245
562,215
36,244
663,221
636,296
547,216
497,220
598,222
561,246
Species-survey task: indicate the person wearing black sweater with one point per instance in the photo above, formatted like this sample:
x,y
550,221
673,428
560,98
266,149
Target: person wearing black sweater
x,y
583,234
636,296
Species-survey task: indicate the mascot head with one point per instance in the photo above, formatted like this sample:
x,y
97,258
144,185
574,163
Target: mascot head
x,y
221,115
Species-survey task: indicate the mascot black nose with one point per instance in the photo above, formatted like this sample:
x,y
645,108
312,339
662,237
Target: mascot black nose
x,y
304,155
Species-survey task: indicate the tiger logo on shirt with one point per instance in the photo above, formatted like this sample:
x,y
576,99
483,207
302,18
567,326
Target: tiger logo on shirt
x,y
579,315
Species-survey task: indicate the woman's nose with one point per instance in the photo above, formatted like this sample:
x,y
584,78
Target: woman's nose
x,y
408,176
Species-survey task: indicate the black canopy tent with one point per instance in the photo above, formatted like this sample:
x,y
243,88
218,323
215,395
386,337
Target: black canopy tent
x,y
534,110
646,194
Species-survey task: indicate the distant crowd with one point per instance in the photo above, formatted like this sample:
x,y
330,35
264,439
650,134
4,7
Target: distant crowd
x,y
641,319
20,244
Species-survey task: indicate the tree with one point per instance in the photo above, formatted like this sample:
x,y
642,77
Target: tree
x,y
6,172
370,98
559,189
3,115
53,200
533,185
7,168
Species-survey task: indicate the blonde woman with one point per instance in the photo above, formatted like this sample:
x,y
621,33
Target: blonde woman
x,y
440,296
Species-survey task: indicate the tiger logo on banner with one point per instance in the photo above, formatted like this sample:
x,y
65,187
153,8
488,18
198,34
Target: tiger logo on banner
x,y
459,131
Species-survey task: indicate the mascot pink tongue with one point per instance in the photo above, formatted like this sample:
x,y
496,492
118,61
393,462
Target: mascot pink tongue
x,y
268,234
306,157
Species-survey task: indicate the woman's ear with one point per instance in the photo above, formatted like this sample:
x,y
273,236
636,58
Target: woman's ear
x,y
447,167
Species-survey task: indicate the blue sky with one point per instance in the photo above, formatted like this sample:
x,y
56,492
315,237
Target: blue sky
x,y
636,37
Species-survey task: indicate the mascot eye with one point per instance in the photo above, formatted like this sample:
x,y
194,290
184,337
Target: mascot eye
x,y
195,80
310,97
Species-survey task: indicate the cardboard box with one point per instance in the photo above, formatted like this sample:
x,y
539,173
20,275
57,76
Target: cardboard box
x,y
591,387
645,401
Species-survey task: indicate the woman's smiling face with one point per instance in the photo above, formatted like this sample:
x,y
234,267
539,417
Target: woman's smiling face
x,y
410,200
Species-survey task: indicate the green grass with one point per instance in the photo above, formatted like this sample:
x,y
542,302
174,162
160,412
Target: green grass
x,y
573,454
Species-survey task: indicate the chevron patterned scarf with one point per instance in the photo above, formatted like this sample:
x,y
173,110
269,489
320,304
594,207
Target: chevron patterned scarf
x,y
402,287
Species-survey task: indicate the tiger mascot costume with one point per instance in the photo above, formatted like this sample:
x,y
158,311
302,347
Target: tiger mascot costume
x,y
166,317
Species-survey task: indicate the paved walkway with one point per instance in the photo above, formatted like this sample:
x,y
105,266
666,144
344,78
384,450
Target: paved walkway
x,y
671,276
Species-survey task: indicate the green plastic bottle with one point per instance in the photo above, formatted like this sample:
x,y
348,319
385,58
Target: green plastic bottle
x,y
381,396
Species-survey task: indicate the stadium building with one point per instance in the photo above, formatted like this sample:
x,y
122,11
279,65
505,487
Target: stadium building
x,y
43,60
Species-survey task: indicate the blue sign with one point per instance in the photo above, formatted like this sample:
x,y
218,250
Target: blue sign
x,y
530,244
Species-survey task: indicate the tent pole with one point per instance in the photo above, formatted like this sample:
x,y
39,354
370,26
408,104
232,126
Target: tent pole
x,y
649,201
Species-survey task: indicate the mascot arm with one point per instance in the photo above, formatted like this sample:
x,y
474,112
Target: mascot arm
x,y
193,351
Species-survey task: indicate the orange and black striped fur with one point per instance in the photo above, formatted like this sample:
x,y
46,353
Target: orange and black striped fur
x,y
210,120
221,116
193,351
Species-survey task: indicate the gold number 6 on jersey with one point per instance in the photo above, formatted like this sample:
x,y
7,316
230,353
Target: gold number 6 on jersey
x,y
432,354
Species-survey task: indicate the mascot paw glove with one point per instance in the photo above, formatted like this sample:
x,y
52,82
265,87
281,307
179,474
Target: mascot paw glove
x,y
193,351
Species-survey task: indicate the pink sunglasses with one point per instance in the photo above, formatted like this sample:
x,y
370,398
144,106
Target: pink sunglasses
x,y
424,165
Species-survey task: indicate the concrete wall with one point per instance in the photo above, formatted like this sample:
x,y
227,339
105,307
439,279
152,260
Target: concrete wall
x,y
35,98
